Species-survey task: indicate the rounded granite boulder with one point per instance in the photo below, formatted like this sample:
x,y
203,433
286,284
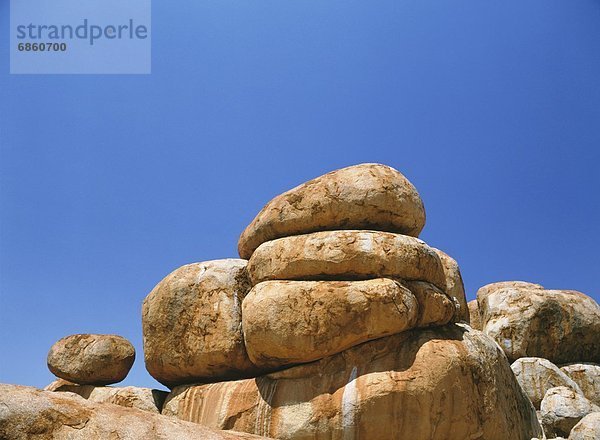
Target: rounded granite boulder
x,y
289,322
346,255
527,320
192,324
365,196
91,359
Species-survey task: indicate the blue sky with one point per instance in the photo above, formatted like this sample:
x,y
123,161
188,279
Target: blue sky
x,y
107,183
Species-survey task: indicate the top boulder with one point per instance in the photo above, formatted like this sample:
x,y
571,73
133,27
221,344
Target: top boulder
x,y
365,196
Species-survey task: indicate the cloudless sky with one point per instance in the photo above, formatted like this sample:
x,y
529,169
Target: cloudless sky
x,y
108,183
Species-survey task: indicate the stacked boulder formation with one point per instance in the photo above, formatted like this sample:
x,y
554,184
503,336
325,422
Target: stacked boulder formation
x,y
338,323
553,339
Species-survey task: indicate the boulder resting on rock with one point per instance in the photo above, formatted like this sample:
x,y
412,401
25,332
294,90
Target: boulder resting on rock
x,y
365,196
346,255
289,322
91,359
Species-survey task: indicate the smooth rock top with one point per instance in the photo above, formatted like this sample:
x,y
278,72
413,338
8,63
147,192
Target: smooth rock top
x,y
527,320
346,255
30,414
366,196
91,359
192,324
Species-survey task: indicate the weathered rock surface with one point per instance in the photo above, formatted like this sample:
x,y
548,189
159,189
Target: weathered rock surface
x,y
346,255
588,428
561,409
289,322
58,383
145,399
435,307
587,376
30,414
447,383
91,359
366,196
536,376
192,324
454,284
474,316
562,326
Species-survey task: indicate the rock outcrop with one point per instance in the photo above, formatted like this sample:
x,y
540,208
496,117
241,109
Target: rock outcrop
x,y
91,359
536,376
30,414
448,383
588,428
192,324
341,324
587,376
561,409
145,399
366,196
527,320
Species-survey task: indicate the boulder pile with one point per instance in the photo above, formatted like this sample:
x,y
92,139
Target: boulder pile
x,y
336,323
553,339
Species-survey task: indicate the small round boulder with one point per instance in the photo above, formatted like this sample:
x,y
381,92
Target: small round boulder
x,y
91,359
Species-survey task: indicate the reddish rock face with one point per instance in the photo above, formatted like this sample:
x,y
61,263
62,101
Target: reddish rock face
x,y
366,196
446,383
28,413
91,359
